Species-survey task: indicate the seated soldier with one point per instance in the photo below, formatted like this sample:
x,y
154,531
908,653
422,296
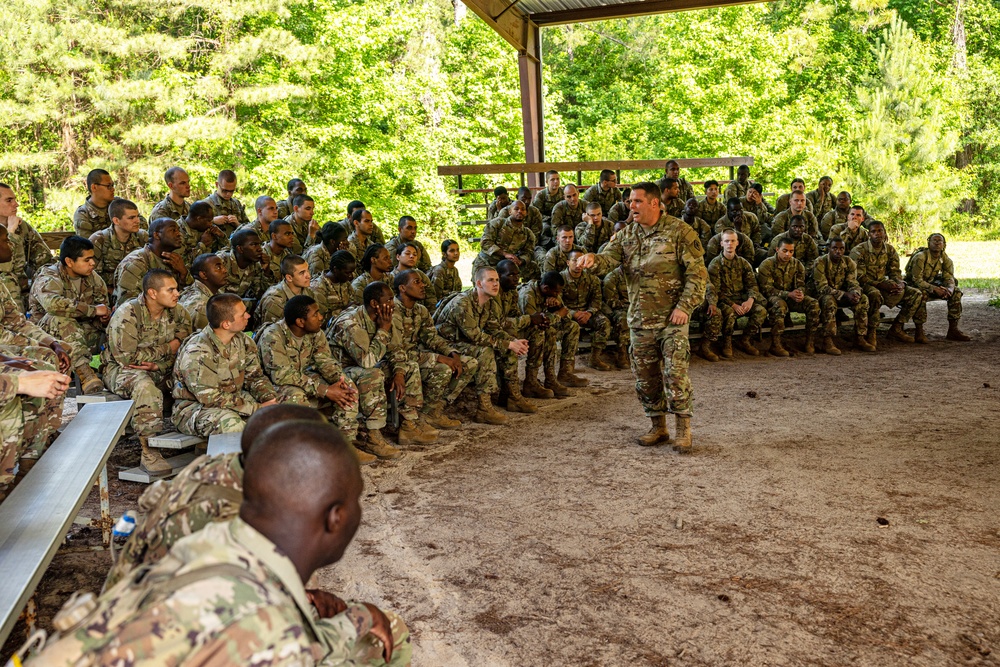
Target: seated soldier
x,y
796,206
931,271
735,294
546,198
605,192
237,588
531,328
229,211
209,278
113,244
444,275
782,281
754,203
69,301
276,250
620,212
557,259
363,234
501,199
296,357
744,248
472,322
408,234
820,199
267,212
711,209
673,170
569,211
332,288
615,308
835,283
784,201
836,216
92,215
294,188
507,239
701,228
806,248
532,219
359,339
218,381
620,225
545,296
199,234
851,232
595,230
407,258
161,252
582,294
174,205
710,318
882,281
31,403
742,221
244,273
739,187
144,336
670,197
304,227
434,371
29,252
348,223
376,266
295,280
332,238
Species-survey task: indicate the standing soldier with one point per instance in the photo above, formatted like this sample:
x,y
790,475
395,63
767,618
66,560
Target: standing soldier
x,y
605,192
159,253
835,284
304,226
662,261
209,278
931,271
114,244
782,281
138,362
174,205
882,282
295,187
734,292
229,211
332,288
583,295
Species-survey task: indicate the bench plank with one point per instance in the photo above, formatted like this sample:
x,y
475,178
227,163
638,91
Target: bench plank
x,y
224,443
34,519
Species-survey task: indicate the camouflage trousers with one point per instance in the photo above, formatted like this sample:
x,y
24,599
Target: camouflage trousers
x,y
484,378
600,330
27,425
777,308
829,307
413,400
908,301
370,383
150,391
660,359
954,307
542,348
728,317
619,328
13,285
193,418
83,337
368,651
439,382
345,420
711,326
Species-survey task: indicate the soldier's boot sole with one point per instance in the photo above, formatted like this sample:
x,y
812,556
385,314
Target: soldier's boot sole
x,y
897,333
705,350
956,334
520,405
744,345
682,434
364,458
597,363
532,389
830,347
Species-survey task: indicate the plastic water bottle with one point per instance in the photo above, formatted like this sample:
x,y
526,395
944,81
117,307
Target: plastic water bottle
x,y
125,525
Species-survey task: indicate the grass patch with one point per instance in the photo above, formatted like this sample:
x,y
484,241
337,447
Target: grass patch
x,y
995,301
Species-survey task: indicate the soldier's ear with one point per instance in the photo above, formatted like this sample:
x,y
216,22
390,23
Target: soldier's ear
x,y
334,520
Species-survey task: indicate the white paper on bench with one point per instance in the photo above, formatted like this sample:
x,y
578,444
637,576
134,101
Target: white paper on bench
x,y
224,443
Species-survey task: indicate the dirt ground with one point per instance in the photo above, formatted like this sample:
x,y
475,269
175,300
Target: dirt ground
x,y
557,541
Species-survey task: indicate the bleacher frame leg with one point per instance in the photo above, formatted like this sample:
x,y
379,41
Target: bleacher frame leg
x,y
106,522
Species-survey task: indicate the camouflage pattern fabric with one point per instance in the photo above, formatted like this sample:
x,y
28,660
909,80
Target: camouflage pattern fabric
x,y
271,307
618,212
831,220
194,246
271,266
564,214
831,282
365,279
532,219
660,364
782,204
806,248
745,248
586,294
194,299
357,247
591,237
924,272
333,298
129,274
876,265
249,282
750,227
476,330
231,207
66,308
614,305
606,199
88,219
29,255
557,260
711,213
735,189
424,263
446,280
360,347
851,239
776,280
166,208
733,282
780,223
318,259
15,329
300,228
821,204
27,425
702,229
545,201
561,331
506,236
109,253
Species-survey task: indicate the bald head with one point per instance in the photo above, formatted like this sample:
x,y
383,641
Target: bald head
x,y
270,415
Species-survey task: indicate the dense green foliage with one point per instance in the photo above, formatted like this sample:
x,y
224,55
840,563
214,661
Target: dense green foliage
x,y
363,99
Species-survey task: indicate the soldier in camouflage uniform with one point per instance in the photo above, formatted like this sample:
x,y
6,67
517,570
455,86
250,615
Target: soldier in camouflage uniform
x,y
501,200
852,232
408,234
69,301
836,216
734,292
174,205
882,281
363,234
557,258
545,296
709,316
331,239
138,362
534,329
931,271
782,281
375,266
209,278
332,288
159,253
244,272
267,212
569,211
796,206
295,187
199,234
295,280
744,249
754,203
620,213
595,230
784,201
113,244
234,593
276,250
673,170
662,261
583,295
670,197
615,308
806,248
304,226
29,252
508,239
532,220
711,208
218,381
92,215
473,323
605,192
820,198
700,227
739,187
229,211
745,223
444,275
546,198
835,283
407,256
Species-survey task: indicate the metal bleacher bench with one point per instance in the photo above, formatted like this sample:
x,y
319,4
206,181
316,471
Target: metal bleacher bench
x,y
35,517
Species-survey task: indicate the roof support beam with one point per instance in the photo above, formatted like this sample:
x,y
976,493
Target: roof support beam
x,y
507,20
614,11
530,71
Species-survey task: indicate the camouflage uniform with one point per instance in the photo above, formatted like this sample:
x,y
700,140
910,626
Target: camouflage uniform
x,y
686,189
360,347
194,299
782,204
615,305
851,239
618,212
26,424
750,227
357,247
875,266
591,237
561,330
446,280
518,325
702,229
664,270
776,280
780,224
735,189
831,219
431,296
318,258
828,278
217,386
247,283
674,207
333,298
129,274
711,325
763,214
585,294
563,214
208,490
285,207
745,248
224,596
303,239
89,219
303,368
476,331
711,213
532,219
271,306
109,253
168,209
262,231
271,269
424,263
134,337
193,245
605,199
820,204
506,236
545,201
65,307
924,273
231,207
557,260
733,282
806,248
365,279
30,254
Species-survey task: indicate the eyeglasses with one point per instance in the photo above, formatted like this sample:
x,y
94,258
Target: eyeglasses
x,y
109,186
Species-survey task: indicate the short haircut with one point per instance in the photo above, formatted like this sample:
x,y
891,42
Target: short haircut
x,y
594,204
758,187
221,308
667,183
276,224
858,207
670,162
269,415
651,189
118,207
403,246
845,192
292,183
300,200
499,190
834,239
73,247
405,219
482,271
331,231
200,262
155,279
801,194
369,256
709,183
290,263
733,201
447,243
551,172
936,234
241,236
797,220
797,180
94,176
551,279
825,178
876,223
358,212
341,259
297,308
227,176
743,166
157,226
521,191
401,278
4,185
606,174
788,240
201,209
261,201
564,228
168,175
374,291
353,206
728,230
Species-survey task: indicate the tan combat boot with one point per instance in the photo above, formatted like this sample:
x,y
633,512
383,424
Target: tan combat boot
x,y
532,388
552,384
364,458
487,414
435,416
872,336
621,357
777,349
830,348
682,434
411,433
744,345
516,402
862,344
956,334
596,362
89,382
152,460
727,347
897,332
568,377
705,350
377,444
920,336
658,433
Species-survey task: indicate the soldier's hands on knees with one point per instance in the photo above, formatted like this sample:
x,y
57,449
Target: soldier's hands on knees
x,y
340,394
582,317
518,346
711,311
539,320
853,297
399,385
42,384
452,362
382,630
796,295
144,366
678,317
62,355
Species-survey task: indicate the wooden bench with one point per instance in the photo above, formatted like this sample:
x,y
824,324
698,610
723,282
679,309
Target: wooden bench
x,y
34,519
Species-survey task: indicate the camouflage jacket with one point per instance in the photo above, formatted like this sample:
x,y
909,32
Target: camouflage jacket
x,y
55,293
605,199
733,281
806,248
446,280
505,236
365,279
109,252
233,206
591,237
424,263
829,220
285,207
782,203
513,320
128,275
532,220
168,209
663,267
249,282
875,266
262,232
545,201
701,228
686,189
271,268
745,248
318,258
332,297
134,337
735,189
303,239
8,384
563,214
821,204
750,227
304,362
828,276
925,273
89,219
615,292
557,260
217,375
431,295
356,341
711,213
271,306
582,294
851,239
194,246
30,253
464,320
530,300
357,247
194,299
412,332
674,207
764,215
777,279
618,212
15,330
780,223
